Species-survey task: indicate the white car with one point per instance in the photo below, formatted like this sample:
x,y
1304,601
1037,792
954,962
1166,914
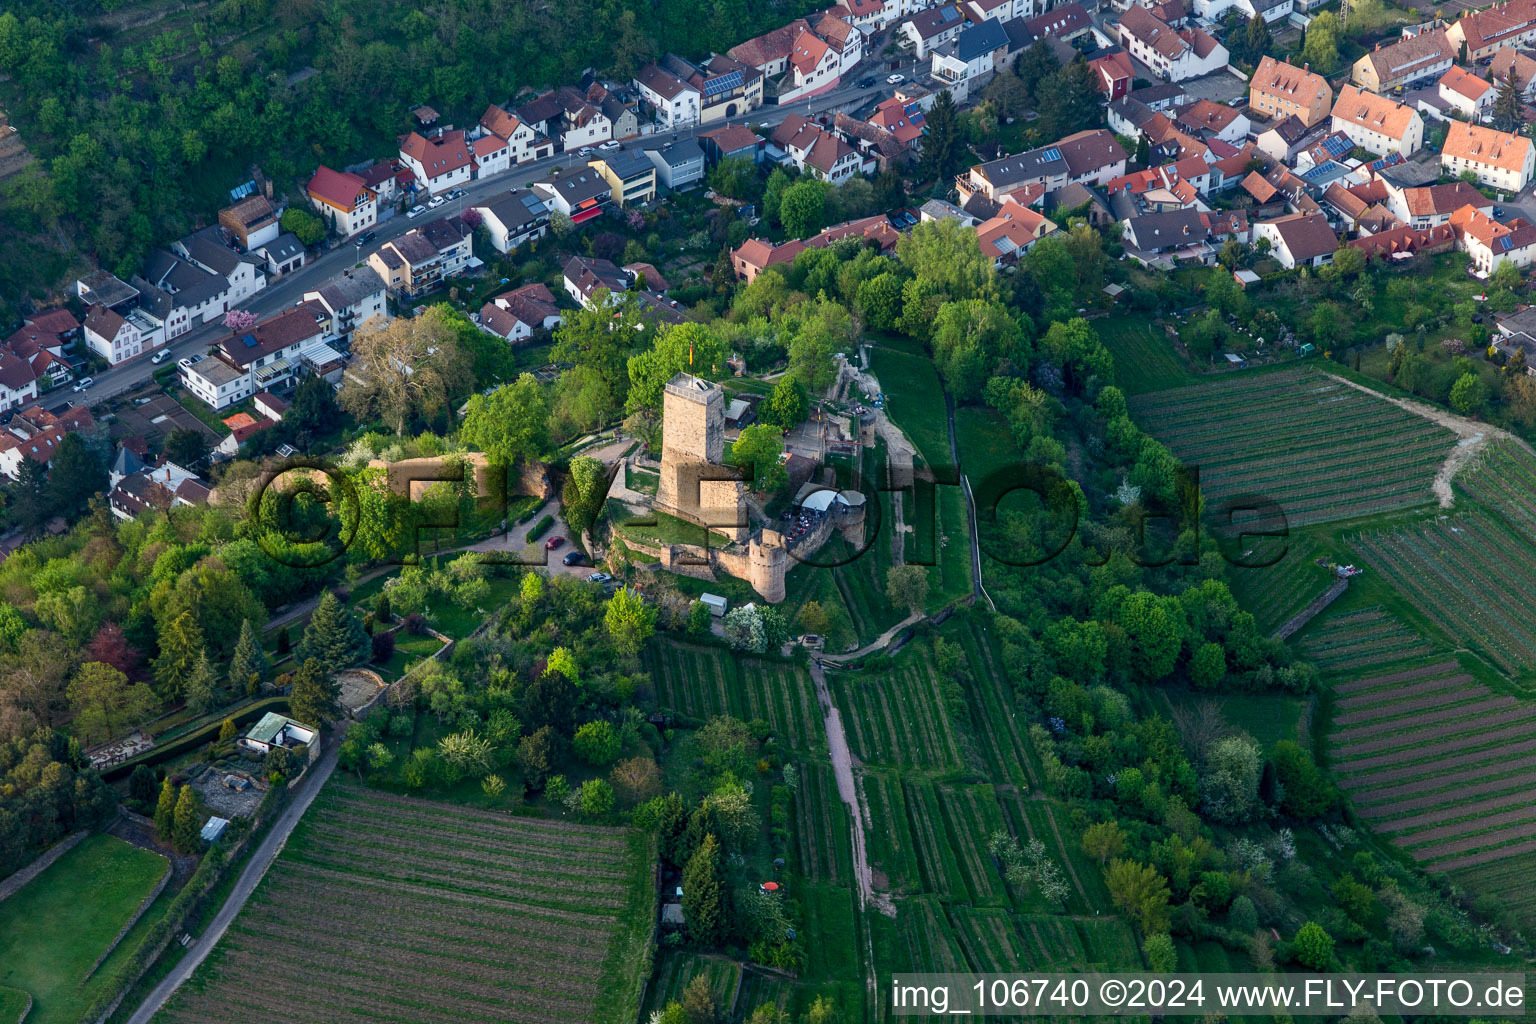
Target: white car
x,y
161,356
585,151
414,212
895,79
599,577
84,383
436,201
610,146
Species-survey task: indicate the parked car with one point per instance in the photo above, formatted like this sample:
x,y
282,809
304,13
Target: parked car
x,y
865,83
83,383
161,356
553,543
574,558
366,237
584,151
457,193
599,577
895,79
1498,211
611,145
414,212
436,201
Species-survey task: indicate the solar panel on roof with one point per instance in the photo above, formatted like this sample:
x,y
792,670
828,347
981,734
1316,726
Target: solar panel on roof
x,y
1052,153
240,192
250,341
724,83
1504,242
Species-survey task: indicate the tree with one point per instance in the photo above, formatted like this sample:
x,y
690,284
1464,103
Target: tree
x,y
316,696
699,1001
787,404
406,368
537,754
75,475
309,229
1506,105
942,152
185,832
597,743
1161,955
629,620
1313,947
586,486
165,810
1229,785
773,192
1208,666
968,339
1322,41
1468,394
249,661
181,645
704,894
691,348
636,779
1069,101
31,504
757,453
228,730
594,798
1256,39
202,686
1307,792
104,702
141,784
186,448
511,424
1139,891
906,586
735,177
803,207
334,637
1103,840
1153,630
313,409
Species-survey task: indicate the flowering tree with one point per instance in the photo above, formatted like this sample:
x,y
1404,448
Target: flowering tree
x,y
239,319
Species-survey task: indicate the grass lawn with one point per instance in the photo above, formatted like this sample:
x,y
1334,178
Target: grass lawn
x,y
13,1002
986,445
50,936
408,649
1145,359
661,528
914,399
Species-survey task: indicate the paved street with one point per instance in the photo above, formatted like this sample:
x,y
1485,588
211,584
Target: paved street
x,y
290,289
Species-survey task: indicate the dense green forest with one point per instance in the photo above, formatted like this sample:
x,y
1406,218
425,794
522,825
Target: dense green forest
x,y
141,117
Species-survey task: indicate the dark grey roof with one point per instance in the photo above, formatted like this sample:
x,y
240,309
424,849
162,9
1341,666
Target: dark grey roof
x,y
350,288
628,163
154,300
1162,94
126,463
678,154
1165,230
445,232
1036,163
100,288
584,184
283,248
517,209
938,19
210,247
979,40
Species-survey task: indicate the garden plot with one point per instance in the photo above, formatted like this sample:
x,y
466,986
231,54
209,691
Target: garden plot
x,y
1322,450
1467,575
1431,758
700,682
414,911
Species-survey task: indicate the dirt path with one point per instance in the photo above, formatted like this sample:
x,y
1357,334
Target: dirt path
x,y
1471,435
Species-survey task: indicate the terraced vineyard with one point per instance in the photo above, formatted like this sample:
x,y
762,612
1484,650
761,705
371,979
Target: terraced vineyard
x,y
898,718
1431,758
704,681
1276,593
1323,450
1504,479
407,910
1468,575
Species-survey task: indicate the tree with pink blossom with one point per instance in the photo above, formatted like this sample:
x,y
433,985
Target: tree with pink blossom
x,y
239,319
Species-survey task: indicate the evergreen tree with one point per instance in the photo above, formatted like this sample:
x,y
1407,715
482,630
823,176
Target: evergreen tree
x,y
284,642
185,832
202,686
1506,105
75,474
181,645
704,894
723,276
165,810
228,730
671,823
249,660
31,505
941,142
1256,40
141,784
334,637
316,694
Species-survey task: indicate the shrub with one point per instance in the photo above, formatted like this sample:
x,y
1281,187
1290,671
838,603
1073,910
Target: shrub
x,y
383,647
415,624
540,528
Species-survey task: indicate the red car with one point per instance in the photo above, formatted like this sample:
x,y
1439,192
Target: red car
x,y
554,542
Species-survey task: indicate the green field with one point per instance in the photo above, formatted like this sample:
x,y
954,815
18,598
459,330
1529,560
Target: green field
x,y
898,717
914,400
701,682
674,970
1145,359
13,1003
1275,593
1319,448
52,931
393,908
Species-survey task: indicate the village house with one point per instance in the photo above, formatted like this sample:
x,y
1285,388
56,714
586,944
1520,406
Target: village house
x,y
586,277
1113,73
1427,206
1009,234
1401,242
1168,231
1209,120
283,255
582,124
816,151
1465,93
1490,244
514,218
1299,239
1271,10
1174,55
423,258
672,102
515,315
1377,124
343,201
712,90
34,433
274,731
968,58
802,59
524,143
679,165
581,194
351,299
933,27
211,248
440,163
1089,157
903,120
252,222
1427,55
1512,23
490,155
630,174
120,336
1000,11
1511,61
18,381
1496,158
1278,90
730,142
268,356
159,488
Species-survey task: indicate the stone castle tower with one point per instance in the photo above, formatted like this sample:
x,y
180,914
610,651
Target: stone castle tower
x,y
694,484
767,562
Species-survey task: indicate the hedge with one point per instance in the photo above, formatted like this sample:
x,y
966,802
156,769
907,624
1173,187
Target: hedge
x,y
193,740
541,527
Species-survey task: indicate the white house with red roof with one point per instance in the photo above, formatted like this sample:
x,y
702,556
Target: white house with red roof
x,y
1010,232
1464,91
1113,73
18,381
803,58
815,150
34,433
440,163
343,201
522,140
902,120
491,154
